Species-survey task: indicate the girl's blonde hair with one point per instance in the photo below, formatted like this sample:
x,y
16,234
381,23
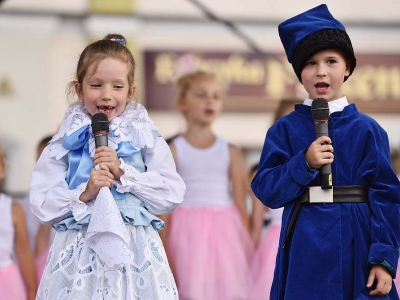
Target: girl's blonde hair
x,y
184,82
284,104
111,46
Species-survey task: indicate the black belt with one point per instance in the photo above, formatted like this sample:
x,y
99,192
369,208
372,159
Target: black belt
x,y
341,194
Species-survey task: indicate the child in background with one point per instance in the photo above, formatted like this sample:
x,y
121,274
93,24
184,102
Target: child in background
x,y
45,233
16,282
103,201
40,235
260,213
207,238
266,238
347,246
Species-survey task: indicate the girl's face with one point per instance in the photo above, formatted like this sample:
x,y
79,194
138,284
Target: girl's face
x,y
106,90
202,102
323,74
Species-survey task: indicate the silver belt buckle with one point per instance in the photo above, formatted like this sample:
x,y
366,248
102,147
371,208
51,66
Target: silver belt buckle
x,y
318,195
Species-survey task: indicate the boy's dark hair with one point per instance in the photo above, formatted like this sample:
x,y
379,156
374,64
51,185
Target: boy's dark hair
x,y
322,40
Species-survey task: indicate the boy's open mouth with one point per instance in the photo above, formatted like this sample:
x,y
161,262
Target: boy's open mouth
x,y
321,85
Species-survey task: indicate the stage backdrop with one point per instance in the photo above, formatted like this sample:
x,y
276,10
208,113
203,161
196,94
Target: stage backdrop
x,y
255,82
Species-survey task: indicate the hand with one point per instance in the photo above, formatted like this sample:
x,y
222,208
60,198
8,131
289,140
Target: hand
x,y
384,279
98,179
320,153
108,156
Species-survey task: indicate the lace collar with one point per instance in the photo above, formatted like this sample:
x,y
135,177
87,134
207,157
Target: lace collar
x,y
133,126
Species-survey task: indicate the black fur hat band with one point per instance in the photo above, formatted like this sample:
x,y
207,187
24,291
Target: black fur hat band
x,y
322,40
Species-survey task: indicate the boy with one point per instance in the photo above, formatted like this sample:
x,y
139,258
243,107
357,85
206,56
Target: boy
x,y
346,249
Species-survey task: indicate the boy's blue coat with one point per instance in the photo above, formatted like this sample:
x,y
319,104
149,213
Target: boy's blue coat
x,y
333,245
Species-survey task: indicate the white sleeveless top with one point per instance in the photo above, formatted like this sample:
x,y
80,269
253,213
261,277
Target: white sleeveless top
x,y
205,173
6,231
276,216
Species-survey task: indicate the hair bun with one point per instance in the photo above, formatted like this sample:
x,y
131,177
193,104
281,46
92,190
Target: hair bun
x,y
116,38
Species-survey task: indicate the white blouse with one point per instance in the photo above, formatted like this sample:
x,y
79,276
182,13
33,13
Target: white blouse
x,y
160,188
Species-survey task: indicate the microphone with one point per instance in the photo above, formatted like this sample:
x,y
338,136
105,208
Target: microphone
x,y
320,114
100,128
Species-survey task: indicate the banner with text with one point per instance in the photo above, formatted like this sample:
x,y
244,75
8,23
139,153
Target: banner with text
x,y
254,82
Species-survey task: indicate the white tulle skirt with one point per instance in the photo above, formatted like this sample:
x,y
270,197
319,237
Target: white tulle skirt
x,y
74,271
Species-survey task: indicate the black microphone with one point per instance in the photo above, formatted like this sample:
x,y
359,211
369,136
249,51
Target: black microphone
x,y
100,128
320,114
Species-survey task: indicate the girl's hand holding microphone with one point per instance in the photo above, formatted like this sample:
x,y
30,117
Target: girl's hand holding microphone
x,y
108,156
99,176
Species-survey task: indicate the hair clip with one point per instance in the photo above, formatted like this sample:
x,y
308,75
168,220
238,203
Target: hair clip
x,y
118,40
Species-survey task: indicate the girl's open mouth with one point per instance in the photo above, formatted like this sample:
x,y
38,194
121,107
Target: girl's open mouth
x,y
105,109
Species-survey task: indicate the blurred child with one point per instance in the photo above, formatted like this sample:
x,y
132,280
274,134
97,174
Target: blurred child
x,y
16,282
103,200
32,222
266,238
208,243
45,233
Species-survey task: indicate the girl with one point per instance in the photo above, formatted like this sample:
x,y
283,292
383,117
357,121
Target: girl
x,y
118,254
16,284
207,239
266,238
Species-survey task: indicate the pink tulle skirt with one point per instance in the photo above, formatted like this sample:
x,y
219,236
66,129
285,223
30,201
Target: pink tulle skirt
x,y
263,264
11,283
210,250
40,263
397,279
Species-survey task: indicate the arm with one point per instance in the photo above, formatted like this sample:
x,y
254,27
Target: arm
x,y
42,239
238,179
282,175
257,219
384,198
23,252
165,231
51,199
160,187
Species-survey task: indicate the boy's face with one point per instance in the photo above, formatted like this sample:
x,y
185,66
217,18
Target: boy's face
x,y
323,74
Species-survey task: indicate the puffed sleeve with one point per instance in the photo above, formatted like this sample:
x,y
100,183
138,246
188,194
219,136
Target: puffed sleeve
x,y
160,187
50,198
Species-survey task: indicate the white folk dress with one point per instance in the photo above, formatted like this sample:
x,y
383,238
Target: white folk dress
x,y
109,247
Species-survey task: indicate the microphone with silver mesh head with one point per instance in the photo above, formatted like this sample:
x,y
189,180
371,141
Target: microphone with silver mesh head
x,y
320,114
100,128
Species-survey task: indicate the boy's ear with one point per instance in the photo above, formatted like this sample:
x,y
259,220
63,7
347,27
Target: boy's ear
x,y
78,90
347,72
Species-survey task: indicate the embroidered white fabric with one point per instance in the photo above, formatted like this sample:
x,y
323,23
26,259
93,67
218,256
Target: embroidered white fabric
x,y
107,234
133,181
74,272
133,126
79,209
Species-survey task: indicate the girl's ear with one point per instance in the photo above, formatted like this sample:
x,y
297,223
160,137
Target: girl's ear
x,y
78,90
2,169
131,92
180,103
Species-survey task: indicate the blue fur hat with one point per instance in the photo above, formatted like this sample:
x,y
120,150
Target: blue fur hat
x,y
312,31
